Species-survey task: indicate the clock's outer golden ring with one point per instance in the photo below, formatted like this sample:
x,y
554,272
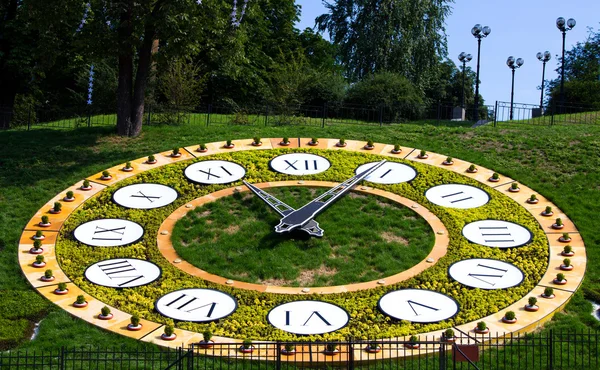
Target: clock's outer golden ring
x,y
439,250
151,331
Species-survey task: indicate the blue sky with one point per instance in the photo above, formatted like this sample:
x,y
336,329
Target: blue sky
x,y
519,28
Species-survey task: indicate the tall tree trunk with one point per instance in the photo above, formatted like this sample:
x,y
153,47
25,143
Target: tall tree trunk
x,y
124,124
9,82
141,81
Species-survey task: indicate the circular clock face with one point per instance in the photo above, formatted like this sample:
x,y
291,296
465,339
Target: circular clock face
x,y
277,309
300,164
109,232
389,173
497,234
145,196
415,305
122,273
215,172
457,196
196,305
486,273
308,317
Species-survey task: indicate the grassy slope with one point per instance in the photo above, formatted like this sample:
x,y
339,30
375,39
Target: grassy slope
x,y
561,162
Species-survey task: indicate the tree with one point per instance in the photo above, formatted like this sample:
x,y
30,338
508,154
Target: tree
x,y
403,36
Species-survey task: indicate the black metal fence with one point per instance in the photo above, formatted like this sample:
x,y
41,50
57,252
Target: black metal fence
x,y
325,115
548,115
549,350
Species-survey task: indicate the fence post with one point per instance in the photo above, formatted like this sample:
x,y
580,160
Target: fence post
x,y
266,115
495,114
208,115
551,350
350,356
552,115
324,114
442,355
278,354
61,362
29,118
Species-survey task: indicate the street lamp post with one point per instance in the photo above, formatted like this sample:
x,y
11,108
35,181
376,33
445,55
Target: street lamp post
x,y
564,27
464,58
544,58
513,64
479,32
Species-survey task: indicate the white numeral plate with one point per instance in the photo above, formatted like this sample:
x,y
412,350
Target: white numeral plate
x,y
389,173
417,305
308,317
457,196
214,172
122,273
486,273
196,305
110,232
300,164
497,234
145,196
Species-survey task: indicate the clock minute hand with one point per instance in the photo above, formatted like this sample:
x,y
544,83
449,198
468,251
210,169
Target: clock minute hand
x,y
301,217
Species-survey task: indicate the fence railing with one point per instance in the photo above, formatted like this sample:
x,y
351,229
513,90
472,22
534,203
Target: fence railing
x,y
325,115
546,115
549,350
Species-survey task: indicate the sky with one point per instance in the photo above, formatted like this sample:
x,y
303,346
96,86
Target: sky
x,y
519,28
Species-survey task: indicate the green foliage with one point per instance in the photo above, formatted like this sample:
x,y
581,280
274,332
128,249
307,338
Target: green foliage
x,y
13,332
532,301
105,174
387,89
256,140
496,176
533,198
37,244
413,339
57,207
229,142
449,160
105,311
80,299
397,147
560,276
472,168
202,146
39,259
181,86
62,286
370,143
86,183
331,347
314,140
38,234
12,305
559,222
548,210
207,335
289,347
568,249
175,151
151,158
247,344
567,262
481,325
548,291
510,315
24,112
286,140
169,330
342,141
134,320
449,333
70,194
48,274
45,219
128,165
514,186
566,236
422,153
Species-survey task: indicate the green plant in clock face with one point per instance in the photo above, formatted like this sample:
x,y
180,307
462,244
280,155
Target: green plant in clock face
x,y
373,346
247,344
207,335
548,210
289,347
532,301
514,186
37,244
533,198
413,339
105,311
396,147
568,249
57,207
481,325
314,140
286,140
256,140
80,299
48,274
342,141
175,151
566,236
86,183
45,220
202,146
560,276
495,176
128,165
422,153
449,160
370,143
548,292
169,330
559,222
70,194
135,321
567,262
449,333
151,158
39,259
62,286
510,315
38,234
331,347
229,143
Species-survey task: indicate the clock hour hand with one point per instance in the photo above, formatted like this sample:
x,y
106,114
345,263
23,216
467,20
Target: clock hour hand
x,y
301,217
279,207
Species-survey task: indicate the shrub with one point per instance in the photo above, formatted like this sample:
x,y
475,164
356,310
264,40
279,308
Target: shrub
x,y
229,142
559,222
472,168
48,274
532,301
370,143
548,291
314,140
57,207
514,186
560,276
247,344
45,219
342,141
169,330
175,151
86,183
38,234
567,262
422,153
373,345
151,158
70,194
289,347
62,286
481,325
105,311
206,335
128,165
510,315
105,174
548,210
256,140
449,333
202,147
568,249
37,244
397,147
449,160
135,320
80,299
286,140
413,339
566,236
532,198
496,176
331,347
39,259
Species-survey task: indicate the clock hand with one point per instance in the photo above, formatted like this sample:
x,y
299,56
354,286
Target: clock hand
x,y
301,217
311,227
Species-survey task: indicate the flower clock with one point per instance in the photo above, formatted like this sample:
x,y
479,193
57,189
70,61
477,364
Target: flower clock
x,y
299,242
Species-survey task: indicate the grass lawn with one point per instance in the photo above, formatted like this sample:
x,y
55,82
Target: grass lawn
x,y
234,238
561,162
